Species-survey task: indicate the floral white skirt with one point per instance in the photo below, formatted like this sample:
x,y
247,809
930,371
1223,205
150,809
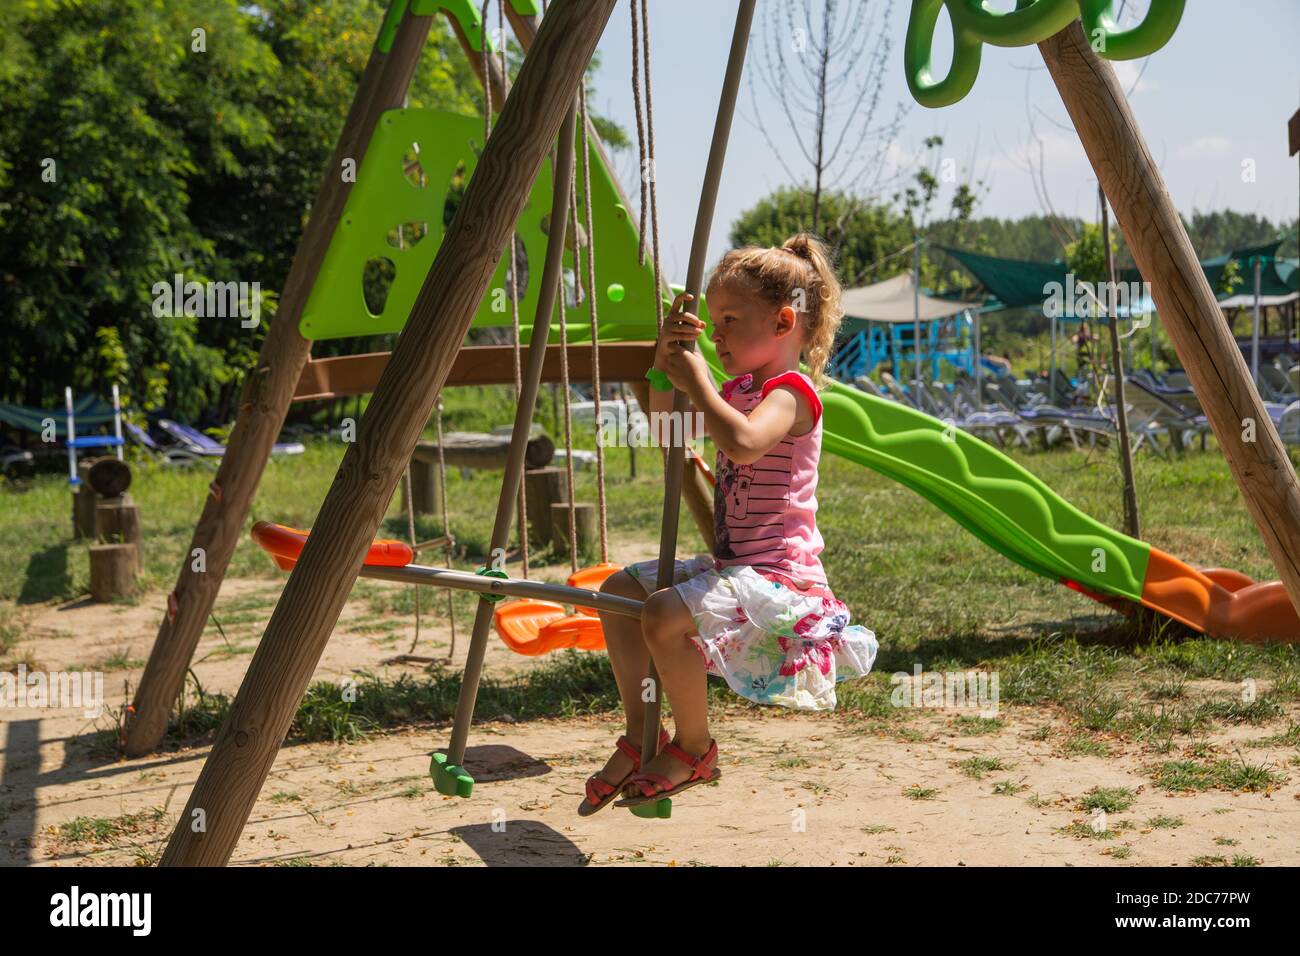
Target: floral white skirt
x,y
771,643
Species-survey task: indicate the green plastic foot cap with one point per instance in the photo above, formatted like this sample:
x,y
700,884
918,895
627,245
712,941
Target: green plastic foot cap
x,y
449,779
659,810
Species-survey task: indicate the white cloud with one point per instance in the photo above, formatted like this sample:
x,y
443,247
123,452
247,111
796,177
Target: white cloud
x,y
1128,73
1205,145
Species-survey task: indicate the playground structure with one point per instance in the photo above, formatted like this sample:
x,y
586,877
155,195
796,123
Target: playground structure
x,y
984,491
950,342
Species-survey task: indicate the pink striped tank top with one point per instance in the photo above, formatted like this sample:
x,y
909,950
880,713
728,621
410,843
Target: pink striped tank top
x,y
764,514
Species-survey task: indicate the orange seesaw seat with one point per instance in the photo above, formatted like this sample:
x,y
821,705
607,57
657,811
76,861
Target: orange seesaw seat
x,y
285,544
533,628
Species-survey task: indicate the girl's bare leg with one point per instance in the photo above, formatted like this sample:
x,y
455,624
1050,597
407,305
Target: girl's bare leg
x,y
630,659
668,626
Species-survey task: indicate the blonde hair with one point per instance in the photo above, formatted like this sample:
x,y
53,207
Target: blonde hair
x,y
778,275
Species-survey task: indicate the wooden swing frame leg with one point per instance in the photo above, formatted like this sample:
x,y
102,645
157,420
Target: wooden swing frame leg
x,y
248,741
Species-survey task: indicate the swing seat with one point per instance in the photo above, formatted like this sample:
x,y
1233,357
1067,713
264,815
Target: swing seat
x,y
582,631
533,628
285,544
591,579
520,623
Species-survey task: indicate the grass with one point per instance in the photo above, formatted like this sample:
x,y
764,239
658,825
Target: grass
x,y
108,829
977,767
1185,776
1110,799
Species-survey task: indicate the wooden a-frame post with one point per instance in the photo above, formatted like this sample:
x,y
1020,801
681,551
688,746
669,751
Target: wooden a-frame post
x,y
246,746
1165,257
265,401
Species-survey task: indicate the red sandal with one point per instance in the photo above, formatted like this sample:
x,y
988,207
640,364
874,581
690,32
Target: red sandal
x,y
655,786
600,791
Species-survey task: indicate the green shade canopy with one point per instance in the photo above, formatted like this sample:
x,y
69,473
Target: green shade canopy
x,y
1018,282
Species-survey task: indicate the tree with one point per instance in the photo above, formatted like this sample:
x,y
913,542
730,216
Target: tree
x,y
184,136
862,234
825,73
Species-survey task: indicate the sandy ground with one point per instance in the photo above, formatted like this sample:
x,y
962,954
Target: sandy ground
x,y
797,788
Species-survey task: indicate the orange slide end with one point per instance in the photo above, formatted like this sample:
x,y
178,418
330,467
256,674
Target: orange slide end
x,y
1219,601
286,544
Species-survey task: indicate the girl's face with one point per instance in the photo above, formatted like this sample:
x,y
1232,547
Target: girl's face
x,y
748,332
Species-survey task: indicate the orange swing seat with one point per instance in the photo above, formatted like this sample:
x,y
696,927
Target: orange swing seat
x,y
533,627
285,545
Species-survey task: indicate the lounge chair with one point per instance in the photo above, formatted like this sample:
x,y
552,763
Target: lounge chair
x,y
12,458
166,454
1274,386
1174,418
983,424
1289,428
193,440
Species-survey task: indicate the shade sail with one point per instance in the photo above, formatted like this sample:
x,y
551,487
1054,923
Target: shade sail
x,y
894,300
1017,282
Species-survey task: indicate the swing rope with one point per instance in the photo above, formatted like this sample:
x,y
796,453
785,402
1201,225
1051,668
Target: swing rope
x,y
645,136
564,373
410,530
595,326
446,527
513,274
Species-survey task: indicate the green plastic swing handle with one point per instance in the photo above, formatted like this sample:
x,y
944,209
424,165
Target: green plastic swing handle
x,y
658,380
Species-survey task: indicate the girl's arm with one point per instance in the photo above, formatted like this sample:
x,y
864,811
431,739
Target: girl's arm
x,y
746,439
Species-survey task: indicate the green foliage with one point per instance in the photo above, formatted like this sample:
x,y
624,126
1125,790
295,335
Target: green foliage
x,y
1086,256
861,233
166,159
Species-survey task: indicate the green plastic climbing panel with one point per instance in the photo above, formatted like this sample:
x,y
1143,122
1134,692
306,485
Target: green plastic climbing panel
x,y
391,216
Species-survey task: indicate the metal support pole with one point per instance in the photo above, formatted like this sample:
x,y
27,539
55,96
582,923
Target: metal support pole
x,y
551,276
72,436
916,316
1254,331
117,420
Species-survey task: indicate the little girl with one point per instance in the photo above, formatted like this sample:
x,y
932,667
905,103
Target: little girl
x,y
758,613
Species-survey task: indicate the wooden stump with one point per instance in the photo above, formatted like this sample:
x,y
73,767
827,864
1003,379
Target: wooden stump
x,y
424,485
112,571
84,500
544,487
109,477
586,522
117,521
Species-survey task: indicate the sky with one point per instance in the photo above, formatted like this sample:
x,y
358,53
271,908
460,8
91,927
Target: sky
x,y
1217,96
